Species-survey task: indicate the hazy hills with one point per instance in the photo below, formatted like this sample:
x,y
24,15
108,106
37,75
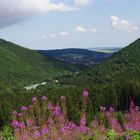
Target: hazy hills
x,y
81,57
106,49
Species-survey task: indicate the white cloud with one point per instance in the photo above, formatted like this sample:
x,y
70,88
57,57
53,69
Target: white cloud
x,y
64,33
122,25
94,30
52,35
15,11
80,29
80,3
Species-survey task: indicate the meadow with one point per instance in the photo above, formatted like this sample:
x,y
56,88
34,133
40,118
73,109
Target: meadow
x,y
44,120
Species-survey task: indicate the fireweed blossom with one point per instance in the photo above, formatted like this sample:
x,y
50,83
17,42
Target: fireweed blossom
x,y
20,115
45,130
50,106
111,109
72,125
65,129
83,121
44,98
36,135
102,109
54,123
14,113
85,93
83,127
95,123
29,121
63,98
34,100
15,124
21,125
103,129
57,110
137,109
24,108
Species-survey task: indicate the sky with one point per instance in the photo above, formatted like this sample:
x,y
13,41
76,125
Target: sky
x,y
56,24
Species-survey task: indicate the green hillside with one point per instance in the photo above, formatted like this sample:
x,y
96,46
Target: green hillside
x,y
122,66
111,83
114,81
21,66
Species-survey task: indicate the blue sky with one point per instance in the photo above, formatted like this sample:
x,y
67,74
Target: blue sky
x,y
55,24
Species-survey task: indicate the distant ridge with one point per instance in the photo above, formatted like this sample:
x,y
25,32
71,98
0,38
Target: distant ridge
x,y
106,49
77,56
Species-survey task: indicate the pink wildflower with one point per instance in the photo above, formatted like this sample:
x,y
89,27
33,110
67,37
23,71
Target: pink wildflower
x,y
83,121
115,125
36,134
57,110
15,124
21,125
71,125
85,93
83,127
34,100
103,128
111,109
44,98
102,108
50,106
63,98
127,137
137,108
24,108
14,113
29,122
20,115
45,130
65,129
95,123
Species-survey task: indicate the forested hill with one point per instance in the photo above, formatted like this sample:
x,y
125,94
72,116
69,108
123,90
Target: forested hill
x,y
78,56
22,66
122,66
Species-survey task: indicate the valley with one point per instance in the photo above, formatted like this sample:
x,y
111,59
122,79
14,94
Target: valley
x,y
112,80
69,70
81,57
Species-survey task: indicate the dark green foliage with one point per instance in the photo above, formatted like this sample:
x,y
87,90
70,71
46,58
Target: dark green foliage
x,y
21,66
122,66
120,118
121,138
110,84
116,79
